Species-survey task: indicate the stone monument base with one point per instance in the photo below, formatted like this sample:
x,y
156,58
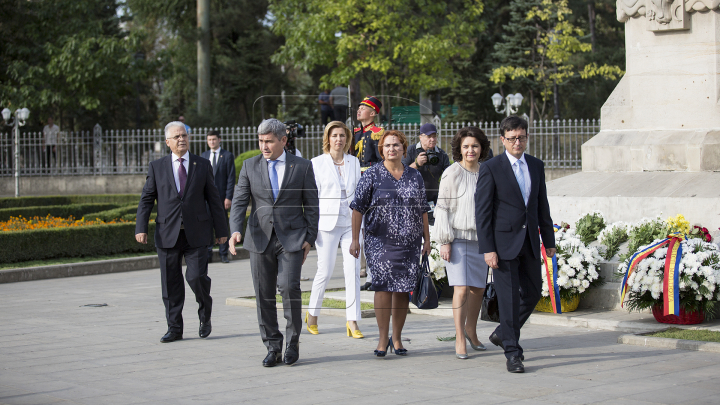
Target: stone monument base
x,y
630,196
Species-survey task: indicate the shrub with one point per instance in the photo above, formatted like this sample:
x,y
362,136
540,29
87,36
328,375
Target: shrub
x,y
127,213
117,199
241,158
96,240
61,211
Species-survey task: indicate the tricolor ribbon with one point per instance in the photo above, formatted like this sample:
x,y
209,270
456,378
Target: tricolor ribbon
x,y
671,279
550,269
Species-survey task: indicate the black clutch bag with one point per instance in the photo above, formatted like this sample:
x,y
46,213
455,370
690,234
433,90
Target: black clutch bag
x,y
490,311
424,296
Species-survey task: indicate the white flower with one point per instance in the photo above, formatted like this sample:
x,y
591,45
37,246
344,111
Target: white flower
x,y
585,284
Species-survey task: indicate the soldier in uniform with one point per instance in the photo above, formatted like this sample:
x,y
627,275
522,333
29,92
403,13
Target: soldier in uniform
x,y
366,150
368,135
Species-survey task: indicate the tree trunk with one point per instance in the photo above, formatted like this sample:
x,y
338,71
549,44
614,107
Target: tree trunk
x,y
591,22
203,57
355,97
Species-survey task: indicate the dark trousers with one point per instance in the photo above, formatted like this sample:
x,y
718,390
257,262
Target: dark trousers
x,y
173,287
518,283
340,112
271,268
224,247
50,155
326,116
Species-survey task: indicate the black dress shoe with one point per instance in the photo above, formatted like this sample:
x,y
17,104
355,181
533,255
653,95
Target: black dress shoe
x,y
272,359
292,354
171,337
514,365
205,329
224,259
495,339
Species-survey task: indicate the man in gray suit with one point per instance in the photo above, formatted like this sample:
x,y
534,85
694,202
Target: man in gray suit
x,y
282,226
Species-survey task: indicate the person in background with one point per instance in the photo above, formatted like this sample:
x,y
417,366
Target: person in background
x,y
50,142
431,161
183,185
366,149
390,200
223,165
326,108
336,174
339,102
187,127
368,135
455,232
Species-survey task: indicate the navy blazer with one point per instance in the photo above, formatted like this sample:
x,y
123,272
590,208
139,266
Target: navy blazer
x,y
501,217
224,172
190,210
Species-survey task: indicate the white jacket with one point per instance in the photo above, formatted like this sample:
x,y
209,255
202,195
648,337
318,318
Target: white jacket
x,y
328,184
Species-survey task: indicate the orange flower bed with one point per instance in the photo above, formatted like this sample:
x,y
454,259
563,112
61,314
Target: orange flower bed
x,y
21,224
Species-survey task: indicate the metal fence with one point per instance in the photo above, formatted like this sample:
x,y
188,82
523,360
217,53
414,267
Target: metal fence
x,y
108,152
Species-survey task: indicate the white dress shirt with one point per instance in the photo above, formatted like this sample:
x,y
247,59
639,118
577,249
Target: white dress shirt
x,y
176,166
214,154
279,168
525,170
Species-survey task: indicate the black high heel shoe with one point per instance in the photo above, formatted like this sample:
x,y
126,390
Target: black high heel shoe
x,y
399,352
382,353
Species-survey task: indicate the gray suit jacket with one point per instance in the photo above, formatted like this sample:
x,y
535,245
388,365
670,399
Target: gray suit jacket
x,y
294,215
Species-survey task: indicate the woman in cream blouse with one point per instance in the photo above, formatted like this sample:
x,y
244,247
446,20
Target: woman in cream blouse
x,y
455,231
336,175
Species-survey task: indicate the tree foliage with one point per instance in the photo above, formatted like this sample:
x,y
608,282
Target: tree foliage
x,y
540,51
408,43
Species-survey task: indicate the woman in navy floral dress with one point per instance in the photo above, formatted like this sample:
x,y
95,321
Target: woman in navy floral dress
x,y
390,198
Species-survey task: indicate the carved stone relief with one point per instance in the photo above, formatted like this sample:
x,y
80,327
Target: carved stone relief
x,y
663,15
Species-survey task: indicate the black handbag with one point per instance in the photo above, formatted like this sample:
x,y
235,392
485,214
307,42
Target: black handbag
x,y
424,296
490,311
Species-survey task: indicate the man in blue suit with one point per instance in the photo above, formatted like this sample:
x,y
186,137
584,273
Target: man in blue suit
x,y
223,165
510,206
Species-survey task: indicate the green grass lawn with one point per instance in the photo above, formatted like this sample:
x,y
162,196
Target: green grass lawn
x,y
328,302
66,260
689,334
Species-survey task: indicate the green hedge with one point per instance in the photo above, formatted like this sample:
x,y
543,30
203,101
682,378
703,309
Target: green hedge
x,y
243,157
60,211
117,199
96,240
128,211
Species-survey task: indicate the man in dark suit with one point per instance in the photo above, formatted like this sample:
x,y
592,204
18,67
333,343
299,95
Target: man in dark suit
x,y
223,165
183,185
282,226
510,205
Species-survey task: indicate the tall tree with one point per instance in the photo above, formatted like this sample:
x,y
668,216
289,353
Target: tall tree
x,y
70,58
539,52
410,45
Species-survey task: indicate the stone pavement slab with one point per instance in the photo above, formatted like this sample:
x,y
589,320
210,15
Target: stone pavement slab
x,y
53,349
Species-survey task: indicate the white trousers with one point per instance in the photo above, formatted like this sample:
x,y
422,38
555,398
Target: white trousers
x,y
327,243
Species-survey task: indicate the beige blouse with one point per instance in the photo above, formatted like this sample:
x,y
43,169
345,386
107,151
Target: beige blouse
x,y
455,210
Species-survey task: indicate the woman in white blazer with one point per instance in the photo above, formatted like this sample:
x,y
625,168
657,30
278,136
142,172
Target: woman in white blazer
x,y
336,174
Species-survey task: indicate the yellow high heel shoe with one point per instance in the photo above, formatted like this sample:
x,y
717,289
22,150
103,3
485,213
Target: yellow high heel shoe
x,y
355,334
311,328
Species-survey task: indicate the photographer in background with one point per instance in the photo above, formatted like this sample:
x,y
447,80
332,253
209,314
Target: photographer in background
x,y
430,161
294,131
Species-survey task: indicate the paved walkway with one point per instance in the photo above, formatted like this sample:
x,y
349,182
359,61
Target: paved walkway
x,y
53,349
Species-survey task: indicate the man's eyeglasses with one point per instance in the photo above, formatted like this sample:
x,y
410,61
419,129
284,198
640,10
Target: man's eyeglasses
x,y
177,137
512,140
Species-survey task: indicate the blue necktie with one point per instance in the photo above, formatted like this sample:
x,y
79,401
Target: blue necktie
x,y
273,178
520,176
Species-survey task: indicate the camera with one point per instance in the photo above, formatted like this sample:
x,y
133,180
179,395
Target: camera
x,y
433,158
294,130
